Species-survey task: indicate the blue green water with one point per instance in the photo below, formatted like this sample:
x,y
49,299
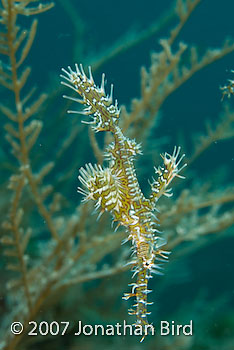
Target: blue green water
x,y
198,284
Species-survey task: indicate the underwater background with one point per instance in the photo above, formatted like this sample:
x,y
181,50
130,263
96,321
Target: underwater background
x,y
82,275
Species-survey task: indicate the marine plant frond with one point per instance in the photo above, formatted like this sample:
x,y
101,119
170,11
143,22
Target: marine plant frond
x,y
22,7
169,69
22,130
16,240
223,130
184,9
116,189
